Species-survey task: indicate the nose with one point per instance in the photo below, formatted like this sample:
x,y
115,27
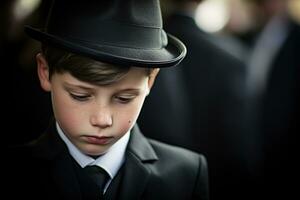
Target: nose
x,y
101,118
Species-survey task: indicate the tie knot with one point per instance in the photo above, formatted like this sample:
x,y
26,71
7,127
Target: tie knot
x,y
98,175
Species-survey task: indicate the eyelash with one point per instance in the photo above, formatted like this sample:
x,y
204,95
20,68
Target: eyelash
x,y
124,100
83,98
79,97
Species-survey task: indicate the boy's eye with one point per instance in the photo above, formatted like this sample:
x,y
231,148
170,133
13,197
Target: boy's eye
x,y
122,99
80,97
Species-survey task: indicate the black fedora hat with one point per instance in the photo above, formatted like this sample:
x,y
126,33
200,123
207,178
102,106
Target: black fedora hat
x,y
123,32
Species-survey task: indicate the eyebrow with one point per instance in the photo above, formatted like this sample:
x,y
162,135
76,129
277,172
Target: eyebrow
x,y
71,85
75,86
129,90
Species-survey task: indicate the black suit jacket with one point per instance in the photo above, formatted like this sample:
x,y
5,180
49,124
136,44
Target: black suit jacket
x,y
45,170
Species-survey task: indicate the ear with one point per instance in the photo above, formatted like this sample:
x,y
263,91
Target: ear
x,y
151,79
43,72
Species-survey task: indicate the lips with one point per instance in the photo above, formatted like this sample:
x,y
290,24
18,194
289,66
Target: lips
x,y
98,140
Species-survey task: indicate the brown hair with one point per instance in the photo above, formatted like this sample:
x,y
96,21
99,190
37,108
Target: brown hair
x,y
84,68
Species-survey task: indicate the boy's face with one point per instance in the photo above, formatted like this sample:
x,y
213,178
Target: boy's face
x,y
95,117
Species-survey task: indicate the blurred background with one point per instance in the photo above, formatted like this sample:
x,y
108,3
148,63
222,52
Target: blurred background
x,y
234,98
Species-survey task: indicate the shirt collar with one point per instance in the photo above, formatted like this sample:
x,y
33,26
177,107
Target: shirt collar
x,y
111,161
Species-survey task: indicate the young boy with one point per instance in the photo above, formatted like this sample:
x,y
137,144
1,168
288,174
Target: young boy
x,y
99,60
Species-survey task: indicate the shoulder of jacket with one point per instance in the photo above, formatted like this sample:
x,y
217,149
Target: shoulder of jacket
x,y
170,152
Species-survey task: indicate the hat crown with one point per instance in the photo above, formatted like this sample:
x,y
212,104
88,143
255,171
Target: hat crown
x,y
136,12
112,22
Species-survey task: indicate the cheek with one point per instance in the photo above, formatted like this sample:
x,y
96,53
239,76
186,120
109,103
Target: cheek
x,y
68,116
70,122
128,118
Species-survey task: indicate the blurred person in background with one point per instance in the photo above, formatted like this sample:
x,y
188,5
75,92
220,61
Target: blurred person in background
x,y
273,95
235,34
200,104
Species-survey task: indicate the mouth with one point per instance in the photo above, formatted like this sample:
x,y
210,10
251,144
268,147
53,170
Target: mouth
x,y
97,140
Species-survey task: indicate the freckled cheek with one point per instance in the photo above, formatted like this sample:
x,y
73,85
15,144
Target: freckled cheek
x,y
69,118
124,128
125,123
128,118
71,121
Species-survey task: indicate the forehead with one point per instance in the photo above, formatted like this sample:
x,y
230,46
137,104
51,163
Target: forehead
x,y
133,78
134,74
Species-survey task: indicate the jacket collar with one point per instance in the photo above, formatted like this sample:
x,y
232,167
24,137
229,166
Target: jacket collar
x,y
140,147
49,145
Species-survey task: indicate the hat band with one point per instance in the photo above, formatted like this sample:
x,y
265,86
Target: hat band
x,y
112,33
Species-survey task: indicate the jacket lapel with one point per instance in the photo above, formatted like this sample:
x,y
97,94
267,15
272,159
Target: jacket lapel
x,y
136,172
52,149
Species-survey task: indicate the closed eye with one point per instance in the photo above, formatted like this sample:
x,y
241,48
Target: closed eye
x,y
80,97
123,99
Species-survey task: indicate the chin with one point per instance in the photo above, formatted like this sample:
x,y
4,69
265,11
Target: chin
x,y
94,152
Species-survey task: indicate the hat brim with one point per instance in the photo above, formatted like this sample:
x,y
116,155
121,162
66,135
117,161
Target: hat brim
x,y
169,56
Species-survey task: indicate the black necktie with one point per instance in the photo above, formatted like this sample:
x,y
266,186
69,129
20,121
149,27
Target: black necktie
x,y
98,175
